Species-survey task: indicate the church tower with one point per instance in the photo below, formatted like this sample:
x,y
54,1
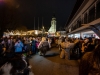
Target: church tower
x,y
52,29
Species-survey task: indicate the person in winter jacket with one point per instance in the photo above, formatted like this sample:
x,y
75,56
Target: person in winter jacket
x,y
18,46
43,46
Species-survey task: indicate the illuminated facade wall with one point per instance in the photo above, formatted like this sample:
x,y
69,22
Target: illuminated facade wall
x,y
53,26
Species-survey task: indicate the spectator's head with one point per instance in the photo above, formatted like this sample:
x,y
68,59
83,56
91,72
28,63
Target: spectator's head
x,y
33,38
63,39
68,39
86,40
43,39
19,41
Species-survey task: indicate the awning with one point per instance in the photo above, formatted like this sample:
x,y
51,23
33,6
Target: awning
x,y
90,26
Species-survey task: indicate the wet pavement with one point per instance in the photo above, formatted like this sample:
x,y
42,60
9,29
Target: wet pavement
x,y
52,64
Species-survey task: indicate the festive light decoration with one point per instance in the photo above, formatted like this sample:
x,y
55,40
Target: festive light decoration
x,y
20,32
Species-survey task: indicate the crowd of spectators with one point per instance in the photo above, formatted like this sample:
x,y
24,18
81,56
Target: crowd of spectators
x,y
86,50
15,53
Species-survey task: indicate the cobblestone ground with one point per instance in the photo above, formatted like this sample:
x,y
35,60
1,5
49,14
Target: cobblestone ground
x,y
52,64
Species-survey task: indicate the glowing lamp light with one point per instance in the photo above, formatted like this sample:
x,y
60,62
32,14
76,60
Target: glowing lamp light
x,y
11,33
36,32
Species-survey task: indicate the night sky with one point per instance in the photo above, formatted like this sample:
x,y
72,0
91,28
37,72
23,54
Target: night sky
x,y
44,10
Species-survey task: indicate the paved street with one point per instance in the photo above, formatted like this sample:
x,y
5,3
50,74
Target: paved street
x,y
52,64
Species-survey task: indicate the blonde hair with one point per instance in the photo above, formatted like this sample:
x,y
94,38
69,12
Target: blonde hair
x,y
43,38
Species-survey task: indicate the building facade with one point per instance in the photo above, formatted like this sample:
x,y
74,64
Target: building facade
x,y
85,21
